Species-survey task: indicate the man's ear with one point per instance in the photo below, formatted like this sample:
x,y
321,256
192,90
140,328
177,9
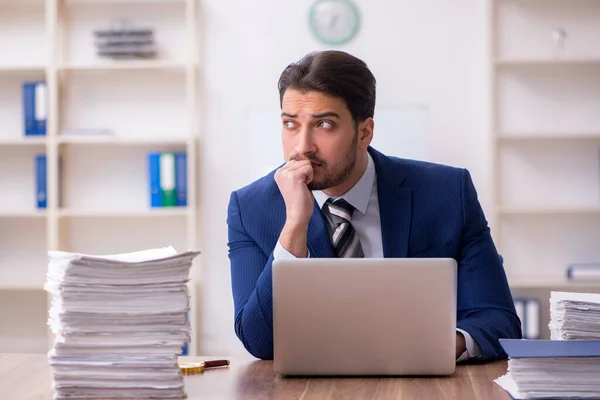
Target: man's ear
x,y
365,133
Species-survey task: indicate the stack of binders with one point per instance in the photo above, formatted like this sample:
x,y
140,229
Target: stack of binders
x,y
119,322
167,176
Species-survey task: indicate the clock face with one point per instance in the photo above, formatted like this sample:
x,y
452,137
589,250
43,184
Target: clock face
x,y
334,21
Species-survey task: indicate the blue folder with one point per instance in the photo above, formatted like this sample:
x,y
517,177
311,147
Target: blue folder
x,y
520,348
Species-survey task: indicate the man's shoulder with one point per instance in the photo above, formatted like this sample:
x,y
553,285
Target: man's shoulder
x,y
421,172
264,186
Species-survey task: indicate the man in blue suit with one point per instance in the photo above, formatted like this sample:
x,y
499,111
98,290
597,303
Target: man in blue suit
x,y
338,197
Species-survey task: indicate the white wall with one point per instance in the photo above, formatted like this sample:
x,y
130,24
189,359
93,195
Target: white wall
x,y
430,52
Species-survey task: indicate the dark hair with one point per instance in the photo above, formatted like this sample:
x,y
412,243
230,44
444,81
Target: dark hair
x,y
335,73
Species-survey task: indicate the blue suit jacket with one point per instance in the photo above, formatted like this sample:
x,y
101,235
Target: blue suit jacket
x,y
426,210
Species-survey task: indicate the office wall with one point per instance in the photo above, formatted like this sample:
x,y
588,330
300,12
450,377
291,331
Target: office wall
x,y
422,52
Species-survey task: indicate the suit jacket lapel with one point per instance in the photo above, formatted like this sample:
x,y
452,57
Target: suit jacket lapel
x,y
395,206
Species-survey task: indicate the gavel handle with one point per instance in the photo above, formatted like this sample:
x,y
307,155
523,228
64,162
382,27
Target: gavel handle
x,y
216,363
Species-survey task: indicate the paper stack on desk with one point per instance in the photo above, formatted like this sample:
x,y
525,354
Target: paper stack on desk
x,y
119,323
551,369
574,316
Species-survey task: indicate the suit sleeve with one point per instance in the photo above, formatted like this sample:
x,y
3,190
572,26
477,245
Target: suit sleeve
x,y
485,306
251,285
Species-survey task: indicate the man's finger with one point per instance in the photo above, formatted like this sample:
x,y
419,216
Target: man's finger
x,y
294,165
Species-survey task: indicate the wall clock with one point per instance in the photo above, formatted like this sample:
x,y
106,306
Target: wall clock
x,y
334,22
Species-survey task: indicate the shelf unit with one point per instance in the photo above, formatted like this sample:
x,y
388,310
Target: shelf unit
x,y
97,185
545,147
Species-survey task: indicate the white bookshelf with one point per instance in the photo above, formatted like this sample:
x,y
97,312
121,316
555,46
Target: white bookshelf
x,y
102,182
545,148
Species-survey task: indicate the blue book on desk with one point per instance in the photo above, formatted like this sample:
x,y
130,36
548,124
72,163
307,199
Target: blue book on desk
x,y
519,348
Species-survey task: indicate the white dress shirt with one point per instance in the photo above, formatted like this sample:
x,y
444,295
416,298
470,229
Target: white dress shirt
x,y
367,225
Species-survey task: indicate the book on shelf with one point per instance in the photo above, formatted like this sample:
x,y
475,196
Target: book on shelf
x,y
584,272
41,195
167,178
35,108
41,181
528,311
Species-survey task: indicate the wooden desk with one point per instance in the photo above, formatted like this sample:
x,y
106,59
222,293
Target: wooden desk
x,y
27,377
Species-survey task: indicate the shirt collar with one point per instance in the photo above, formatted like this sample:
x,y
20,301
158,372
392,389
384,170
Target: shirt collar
x,y
360,194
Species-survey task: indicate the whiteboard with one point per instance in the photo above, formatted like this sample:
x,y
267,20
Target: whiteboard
x,y
400,131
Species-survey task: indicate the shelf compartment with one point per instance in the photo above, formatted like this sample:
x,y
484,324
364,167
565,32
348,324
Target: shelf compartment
x,y
543,246
84,17
552,101
96,236
18,179
550,176
11,107
23,39
106,178
524,29
127,104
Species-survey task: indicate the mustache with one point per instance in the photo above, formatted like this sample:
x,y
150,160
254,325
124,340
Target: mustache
x,y
311,157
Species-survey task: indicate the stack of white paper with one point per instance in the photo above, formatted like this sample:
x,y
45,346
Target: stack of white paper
x,y
552,378
119,323
574,316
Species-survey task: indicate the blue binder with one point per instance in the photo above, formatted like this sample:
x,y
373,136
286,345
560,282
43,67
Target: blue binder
x,y
29,109
180,179
518,348
154,179
40,181
41,107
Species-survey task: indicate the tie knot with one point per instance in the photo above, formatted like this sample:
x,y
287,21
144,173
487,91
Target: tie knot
x,y
340,208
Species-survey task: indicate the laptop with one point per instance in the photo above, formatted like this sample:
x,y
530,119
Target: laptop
x,y
364,316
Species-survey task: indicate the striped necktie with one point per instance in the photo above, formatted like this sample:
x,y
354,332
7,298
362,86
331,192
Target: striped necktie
x,y
344,239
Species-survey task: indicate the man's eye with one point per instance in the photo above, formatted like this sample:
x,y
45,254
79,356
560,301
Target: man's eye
x,y
289,124
326,124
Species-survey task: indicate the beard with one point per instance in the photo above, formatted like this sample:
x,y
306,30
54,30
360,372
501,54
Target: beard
x,y
338,173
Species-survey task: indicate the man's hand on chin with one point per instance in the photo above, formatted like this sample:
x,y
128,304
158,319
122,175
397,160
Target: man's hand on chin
x,y
461,345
